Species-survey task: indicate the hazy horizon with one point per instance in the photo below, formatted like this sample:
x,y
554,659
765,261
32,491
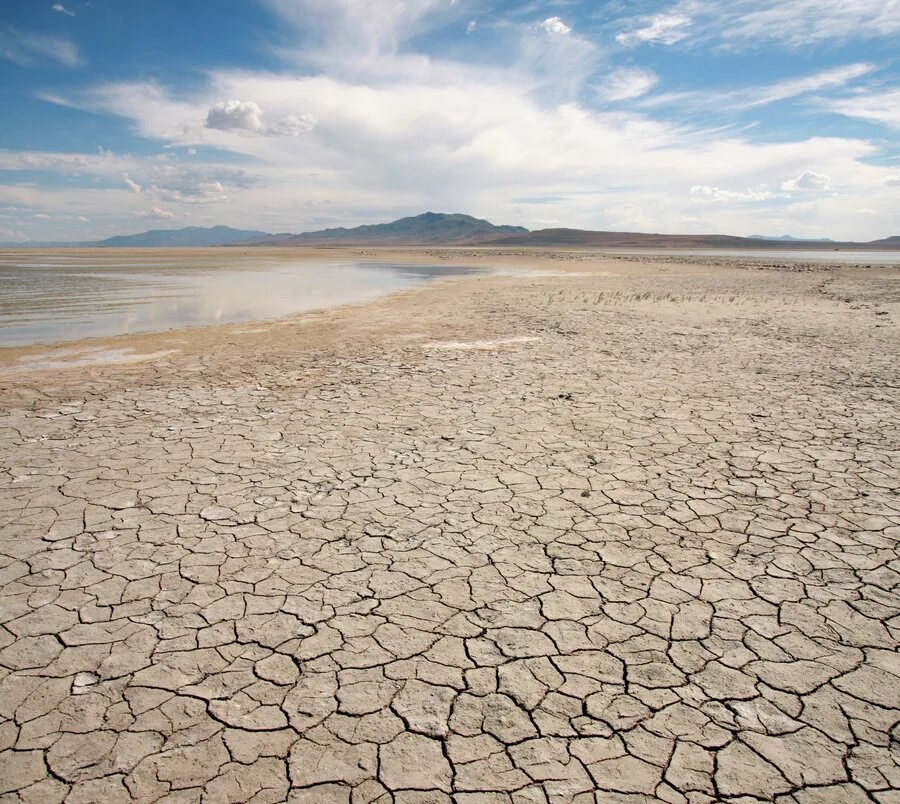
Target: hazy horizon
x,y
675,116
172,227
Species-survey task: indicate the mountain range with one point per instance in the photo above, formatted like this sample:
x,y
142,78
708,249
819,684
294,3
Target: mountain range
x,y
440,229
788,237
580,238
196,236
430,228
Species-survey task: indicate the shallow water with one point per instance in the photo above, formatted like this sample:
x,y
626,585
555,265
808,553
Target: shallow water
x,y
51,298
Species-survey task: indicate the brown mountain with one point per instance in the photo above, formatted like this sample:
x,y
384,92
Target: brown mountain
x,y
430,228
439,229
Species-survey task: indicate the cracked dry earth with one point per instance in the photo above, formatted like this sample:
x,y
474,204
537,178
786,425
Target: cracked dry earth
x,y
622,537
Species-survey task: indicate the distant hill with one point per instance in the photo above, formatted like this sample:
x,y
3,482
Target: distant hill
x,y
790,238
581,238
440,229
591,239
887,242
431,228
196,236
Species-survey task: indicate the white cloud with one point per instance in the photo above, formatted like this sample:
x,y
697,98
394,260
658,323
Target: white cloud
x,y
471,27
550,61
745,23
145,103
476,146
667,29
32,50
246,117
725,196
804,22
878,107
792,87
627,83
13,236
158,214
161,177
62,9
554,25
808,180
359,29
205,192
131,185
367,129
292,126
748,97
235,115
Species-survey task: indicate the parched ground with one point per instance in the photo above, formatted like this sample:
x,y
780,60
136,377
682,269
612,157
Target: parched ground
x,y
622,536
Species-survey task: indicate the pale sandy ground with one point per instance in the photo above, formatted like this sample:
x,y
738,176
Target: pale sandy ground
x,y
626,533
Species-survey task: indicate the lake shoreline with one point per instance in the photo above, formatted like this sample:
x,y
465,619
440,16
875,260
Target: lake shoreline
x,y
485,258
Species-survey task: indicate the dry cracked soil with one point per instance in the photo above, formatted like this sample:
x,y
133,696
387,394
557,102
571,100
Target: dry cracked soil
x,y
626,533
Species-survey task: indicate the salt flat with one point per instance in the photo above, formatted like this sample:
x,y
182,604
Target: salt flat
x,y
627,533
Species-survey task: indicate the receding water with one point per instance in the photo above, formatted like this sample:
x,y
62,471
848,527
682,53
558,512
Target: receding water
x,y
46,298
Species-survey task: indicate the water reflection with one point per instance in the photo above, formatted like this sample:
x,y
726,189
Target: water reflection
x,y
44,299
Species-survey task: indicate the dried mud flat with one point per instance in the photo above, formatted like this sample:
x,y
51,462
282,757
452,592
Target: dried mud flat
x,y
626,534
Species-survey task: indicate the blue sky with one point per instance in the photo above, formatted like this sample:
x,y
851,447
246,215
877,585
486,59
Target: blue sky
x,y
737,116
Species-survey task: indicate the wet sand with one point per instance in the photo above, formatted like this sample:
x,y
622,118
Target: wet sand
x,y
617,530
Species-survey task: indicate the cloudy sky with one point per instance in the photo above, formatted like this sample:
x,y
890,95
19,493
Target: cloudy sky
x,y
738,116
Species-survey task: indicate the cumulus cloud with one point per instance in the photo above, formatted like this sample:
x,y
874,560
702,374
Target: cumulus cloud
x,y
554,25
471,27
627,83
62,9
246,117
235,115
33,50
808,180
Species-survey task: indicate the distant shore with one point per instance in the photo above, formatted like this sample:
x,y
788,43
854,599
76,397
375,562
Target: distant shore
x,y
60,355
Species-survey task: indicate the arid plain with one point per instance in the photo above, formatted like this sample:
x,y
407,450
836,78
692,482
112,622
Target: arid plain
x,y
608,530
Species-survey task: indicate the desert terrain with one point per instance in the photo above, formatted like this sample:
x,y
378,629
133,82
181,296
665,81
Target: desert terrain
x,y
606,530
